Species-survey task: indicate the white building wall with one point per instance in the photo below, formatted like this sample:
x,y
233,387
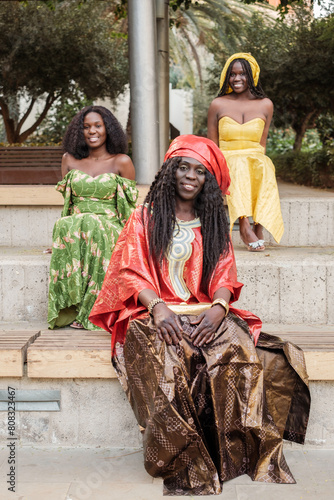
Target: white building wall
x,y
181,109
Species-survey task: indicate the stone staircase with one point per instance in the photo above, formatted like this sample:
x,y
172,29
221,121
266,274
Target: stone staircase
x,y
290,286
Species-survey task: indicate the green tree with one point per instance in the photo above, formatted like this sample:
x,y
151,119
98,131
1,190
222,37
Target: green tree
x,y
283,6
53,127
196,30
50,50
297,68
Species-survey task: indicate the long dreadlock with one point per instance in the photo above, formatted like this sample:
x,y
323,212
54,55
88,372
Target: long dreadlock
x,y
256,91
161,219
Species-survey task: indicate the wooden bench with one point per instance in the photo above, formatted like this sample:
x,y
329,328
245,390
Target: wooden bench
x,y
13,351
68,353
30,165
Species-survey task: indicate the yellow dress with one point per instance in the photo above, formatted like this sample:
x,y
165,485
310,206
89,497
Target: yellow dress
x,y
253,189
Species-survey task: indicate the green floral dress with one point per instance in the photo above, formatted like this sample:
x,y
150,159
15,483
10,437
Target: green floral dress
x,y
95,211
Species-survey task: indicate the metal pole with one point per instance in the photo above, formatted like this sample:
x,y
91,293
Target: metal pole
x,y
163,74
143,89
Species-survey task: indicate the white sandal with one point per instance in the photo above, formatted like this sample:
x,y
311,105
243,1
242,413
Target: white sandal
x,y
256,246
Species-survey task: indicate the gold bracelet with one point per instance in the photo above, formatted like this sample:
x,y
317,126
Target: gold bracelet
x,y
222,303
153,303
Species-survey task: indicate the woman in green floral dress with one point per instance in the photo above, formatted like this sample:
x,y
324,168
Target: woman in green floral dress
x,y
99,195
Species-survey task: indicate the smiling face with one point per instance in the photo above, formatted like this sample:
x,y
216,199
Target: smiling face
x,y
94,130
190,179
238,79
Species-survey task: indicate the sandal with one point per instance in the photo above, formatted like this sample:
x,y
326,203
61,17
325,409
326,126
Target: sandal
x,y
77,325
256,246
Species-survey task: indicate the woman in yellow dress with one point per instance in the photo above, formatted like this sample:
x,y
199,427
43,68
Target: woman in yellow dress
x,y
238,122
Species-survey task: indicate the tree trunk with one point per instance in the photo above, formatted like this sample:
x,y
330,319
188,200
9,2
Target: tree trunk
x,y
298,140
300,129
13,129
8,121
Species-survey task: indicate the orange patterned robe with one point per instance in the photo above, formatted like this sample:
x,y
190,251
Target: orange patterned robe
x,y
207,414
132,270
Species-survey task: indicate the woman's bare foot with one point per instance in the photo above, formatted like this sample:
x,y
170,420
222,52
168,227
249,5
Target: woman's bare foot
x,y
248,236
76,324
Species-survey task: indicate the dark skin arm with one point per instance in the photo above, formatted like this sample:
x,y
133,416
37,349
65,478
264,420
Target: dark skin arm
x,y
168,324
64,165
214,109
268,110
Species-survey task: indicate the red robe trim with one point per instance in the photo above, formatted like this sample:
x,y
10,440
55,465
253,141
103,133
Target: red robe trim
x,y
131,270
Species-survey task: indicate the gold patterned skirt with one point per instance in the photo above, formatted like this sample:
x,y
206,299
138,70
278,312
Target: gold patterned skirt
x,y
213,413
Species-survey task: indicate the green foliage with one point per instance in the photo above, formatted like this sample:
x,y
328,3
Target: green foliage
x,y
2,131
54,126
29,143
284,5
176,4
53,51
296,68
121,9
281,140
306,168
325,127
201,103
202,31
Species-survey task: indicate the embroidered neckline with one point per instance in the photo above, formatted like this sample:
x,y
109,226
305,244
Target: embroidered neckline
x,y
179,253
189,223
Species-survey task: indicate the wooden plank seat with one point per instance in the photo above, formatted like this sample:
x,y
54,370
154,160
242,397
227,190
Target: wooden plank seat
x,y
13,351
68,353
319,352
30,165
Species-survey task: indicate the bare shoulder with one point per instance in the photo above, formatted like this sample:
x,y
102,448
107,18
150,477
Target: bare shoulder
x,y
122,160
218,107
267,104
218,102
124,165
66,161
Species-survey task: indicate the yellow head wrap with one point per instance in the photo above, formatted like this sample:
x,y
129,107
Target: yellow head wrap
x,y
241,55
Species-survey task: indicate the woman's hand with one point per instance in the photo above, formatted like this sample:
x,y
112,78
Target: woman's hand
x,y
167,324
208,323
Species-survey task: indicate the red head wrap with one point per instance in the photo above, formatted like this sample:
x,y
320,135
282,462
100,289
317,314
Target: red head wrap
x,y
206,152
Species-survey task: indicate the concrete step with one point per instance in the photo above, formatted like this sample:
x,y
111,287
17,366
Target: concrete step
x,y
28,214
84,473
27,217
95,412
288,285
307,222
282,285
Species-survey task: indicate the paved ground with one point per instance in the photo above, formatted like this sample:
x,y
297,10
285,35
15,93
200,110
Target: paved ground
x,y
118,474
288,190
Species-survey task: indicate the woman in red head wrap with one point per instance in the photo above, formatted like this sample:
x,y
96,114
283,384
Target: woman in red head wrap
x,y
202,392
